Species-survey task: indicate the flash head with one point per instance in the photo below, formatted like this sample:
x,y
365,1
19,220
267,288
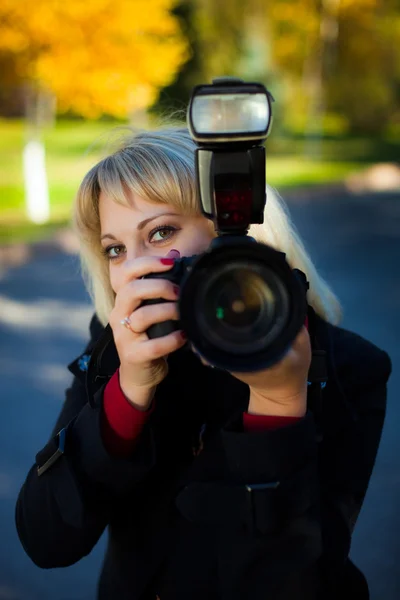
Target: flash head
x,y
229,110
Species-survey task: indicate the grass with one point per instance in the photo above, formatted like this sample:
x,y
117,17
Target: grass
x,y
25,231
72,147
289,171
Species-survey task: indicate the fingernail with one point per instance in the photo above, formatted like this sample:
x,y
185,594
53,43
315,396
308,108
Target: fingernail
x,y
183,335
176,290
174,254
167,261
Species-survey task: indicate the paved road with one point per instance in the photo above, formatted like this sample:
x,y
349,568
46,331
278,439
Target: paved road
x,y
44,312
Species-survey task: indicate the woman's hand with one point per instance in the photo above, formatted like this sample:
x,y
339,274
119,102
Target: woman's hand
x,y
143,361
282,388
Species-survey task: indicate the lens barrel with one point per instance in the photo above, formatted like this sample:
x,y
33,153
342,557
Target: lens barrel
x,y
241,305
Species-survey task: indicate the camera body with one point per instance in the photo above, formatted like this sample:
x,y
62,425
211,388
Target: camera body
x,y
241,305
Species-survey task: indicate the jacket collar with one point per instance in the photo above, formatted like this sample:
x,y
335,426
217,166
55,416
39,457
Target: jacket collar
x,y
103,363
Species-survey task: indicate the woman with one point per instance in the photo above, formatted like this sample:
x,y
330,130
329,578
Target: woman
x,y
212,485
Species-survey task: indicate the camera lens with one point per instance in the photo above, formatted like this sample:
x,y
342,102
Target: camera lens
x,y
240,299
241,307
241,304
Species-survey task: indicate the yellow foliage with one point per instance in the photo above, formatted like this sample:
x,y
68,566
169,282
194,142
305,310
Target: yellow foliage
x,y
96,56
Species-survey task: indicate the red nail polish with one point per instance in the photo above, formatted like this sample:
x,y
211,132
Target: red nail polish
x,y
183,335
176,290
167,261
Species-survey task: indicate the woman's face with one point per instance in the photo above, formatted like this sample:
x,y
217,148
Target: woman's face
x,y
147,229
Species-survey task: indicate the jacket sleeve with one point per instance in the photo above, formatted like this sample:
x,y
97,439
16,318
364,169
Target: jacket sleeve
x,y
348,461
286,507
61,513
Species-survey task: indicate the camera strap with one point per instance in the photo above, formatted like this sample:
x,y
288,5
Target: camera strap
x,y
317,374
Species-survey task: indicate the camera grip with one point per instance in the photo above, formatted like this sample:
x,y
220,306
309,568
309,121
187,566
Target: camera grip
x,y
160,329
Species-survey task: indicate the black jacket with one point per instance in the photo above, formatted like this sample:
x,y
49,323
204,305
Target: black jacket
x,y
252,516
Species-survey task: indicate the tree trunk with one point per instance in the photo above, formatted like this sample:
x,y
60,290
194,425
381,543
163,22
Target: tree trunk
x,y
39,111
320,60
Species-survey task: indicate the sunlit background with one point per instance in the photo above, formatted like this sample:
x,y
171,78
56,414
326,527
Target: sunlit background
x,y
70,73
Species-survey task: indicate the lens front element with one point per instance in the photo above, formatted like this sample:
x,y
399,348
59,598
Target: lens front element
x,y
242,308
241,300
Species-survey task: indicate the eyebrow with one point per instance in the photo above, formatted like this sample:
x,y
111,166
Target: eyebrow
x,y
141,225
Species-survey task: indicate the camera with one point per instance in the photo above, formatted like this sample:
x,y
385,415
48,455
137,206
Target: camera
x,y
240,305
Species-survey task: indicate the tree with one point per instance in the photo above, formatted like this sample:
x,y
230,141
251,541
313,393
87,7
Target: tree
x,y
225,39
92,57
340,56
96,56
317,56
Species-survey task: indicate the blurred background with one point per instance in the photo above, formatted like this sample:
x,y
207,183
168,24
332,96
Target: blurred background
x,y
70,73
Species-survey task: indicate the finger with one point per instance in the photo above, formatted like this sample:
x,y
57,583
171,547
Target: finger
x,y
302,340
159,347
173,254
132,295
146,264
145,316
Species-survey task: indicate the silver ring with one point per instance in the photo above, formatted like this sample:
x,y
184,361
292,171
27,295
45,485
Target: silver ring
x,y
126,323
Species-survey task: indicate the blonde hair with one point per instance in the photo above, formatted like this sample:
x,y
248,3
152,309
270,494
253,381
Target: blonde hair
x,y
159,167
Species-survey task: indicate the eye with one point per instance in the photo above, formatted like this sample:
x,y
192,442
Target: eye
x,y
113,252
166,232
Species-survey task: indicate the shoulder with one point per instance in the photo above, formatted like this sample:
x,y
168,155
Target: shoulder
x,y
357,361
